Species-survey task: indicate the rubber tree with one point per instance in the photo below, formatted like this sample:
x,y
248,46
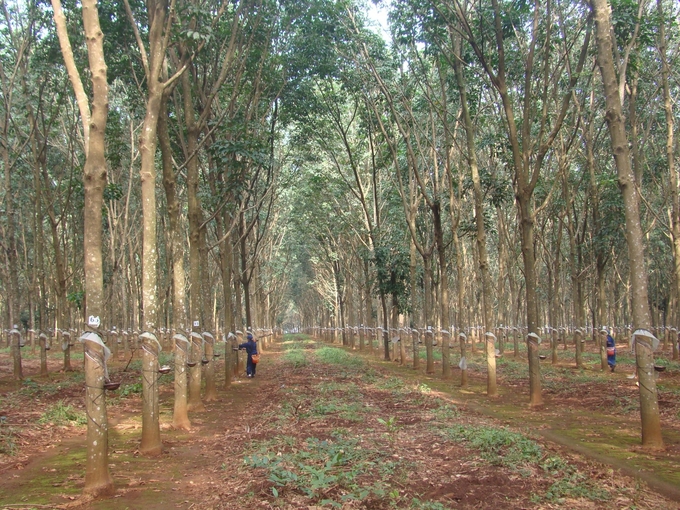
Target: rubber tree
x,y
180,416
670,156
531,128
644,355
98,481
482,257
159,14
10,151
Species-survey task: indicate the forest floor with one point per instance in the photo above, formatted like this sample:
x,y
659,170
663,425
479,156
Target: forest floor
x,y
322,427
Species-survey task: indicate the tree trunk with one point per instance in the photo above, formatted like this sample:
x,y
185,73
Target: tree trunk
x,y
180,417
226,257
151,433
97,478
195,220
428,333
210,387
649,408
414,308
482,257
670,158
147,147
528,254
444,288
15,342
98,481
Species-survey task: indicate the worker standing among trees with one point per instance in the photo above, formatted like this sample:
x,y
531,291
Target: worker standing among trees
x,y
251,349
611,350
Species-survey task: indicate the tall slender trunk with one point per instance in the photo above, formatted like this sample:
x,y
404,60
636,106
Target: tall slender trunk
x,y
151,440
180,417
97,478
245,278
649,406
670,158
414,308
482,257
226,258
443,288
428,331
195,220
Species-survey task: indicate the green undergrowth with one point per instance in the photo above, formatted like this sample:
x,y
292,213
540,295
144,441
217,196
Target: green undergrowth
x,y
296,358
346,463
295,350
499,446
436,354
46,388
8,438
61,481
332,472
61,414
127,390
339,357
502,447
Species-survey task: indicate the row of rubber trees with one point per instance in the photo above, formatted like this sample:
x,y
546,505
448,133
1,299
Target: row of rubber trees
x,y
192,352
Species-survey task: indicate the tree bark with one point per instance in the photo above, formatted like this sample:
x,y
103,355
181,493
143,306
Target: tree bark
x,y
97,478
180,417
649,408
151,433
670,158
482,257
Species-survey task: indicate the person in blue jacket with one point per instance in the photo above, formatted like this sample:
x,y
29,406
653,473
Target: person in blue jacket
x,y
251,348
611,351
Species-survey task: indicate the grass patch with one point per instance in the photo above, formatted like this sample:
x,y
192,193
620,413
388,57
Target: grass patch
x,y
569,484
499,446
62,414
436,354
627,404
370,376
512,369
417,504
8,444
331,472
335,356
446,411
130,389
352,411
329,387
297,358
394,384
31,388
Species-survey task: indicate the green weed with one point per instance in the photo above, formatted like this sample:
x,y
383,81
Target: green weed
x,y
436,354
627,404
8,445
348,391
390,425
446,411
130,389
352,411
573,485
335,356
297,358
416,504
394,384
317,466
499,446
61,414
370,376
